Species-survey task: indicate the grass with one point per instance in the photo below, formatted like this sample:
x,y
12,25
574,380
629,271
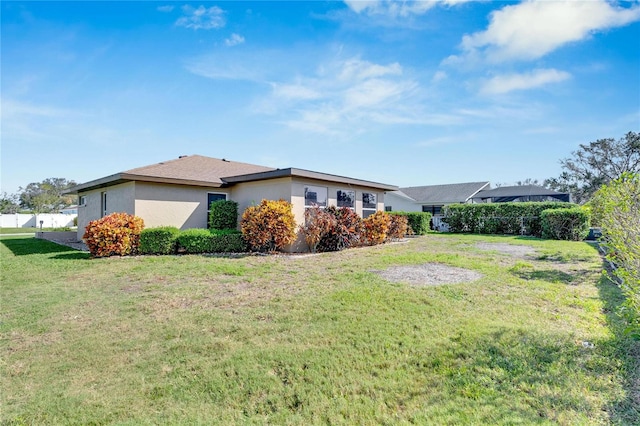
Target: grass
x,y
314,340
4,231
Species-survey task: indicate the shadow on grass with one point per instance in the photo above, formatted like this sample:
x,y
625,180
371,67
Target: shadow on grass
x,y
549,275
624,348
24,246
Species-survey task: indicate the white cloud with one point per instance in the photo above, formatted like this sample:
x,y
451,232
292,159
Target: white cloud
x,y
532,29
166,9
205,18
234,40
507,83
397,8
439,76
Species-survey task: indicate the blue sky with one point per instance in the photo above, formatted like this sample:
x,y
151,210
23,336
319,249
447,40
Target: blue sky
x,y
405,93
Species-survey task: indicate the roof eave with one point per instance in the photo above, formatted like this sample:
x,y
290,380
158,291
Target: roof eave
x,y
120,178
292,172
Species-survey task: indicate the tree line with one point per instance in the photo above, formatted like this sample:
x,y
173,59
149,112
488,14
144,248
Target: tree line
x,y
39,197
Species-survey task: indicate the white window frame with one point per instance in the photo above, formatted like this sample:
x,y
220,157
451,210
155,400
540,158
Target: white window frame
x,y
351,191
369,210
326,196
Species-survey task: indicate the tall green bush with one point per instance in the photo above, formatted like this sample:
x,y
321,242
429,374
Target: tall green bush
x,y
565,224
223,214
617,205
161,240
418,221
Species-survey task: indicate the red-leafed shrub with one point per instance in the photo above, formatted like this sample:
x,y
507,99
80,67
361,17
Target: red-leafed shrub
x,y
346,231
398,227
116,234
317,224
269,226
376,228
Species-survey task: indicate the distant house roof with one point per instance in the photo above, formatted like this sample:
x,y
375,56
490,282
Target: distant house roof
x,y
444,194
198,170
521,193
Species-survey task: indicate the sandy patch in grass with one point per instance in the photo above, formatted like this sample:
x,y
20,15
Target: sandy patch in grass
x,y
508,249
428,274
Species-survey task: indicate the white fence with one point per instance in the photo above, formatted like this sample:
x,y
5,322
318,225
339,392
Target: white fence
x,y
33,220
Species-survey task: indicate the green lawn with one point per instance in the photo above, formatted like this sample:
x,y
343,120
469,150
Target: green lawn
x,y
24,230
314,340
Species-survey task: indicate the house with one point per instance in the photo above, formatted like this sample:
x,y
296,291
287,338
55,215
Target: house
x,y
179,192
432,198
505,194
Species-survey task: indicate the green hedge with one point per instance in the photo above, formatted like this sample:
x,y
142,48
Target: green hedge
x,y
565,224
418,221
499,218
223,214
160,240
195,240
211,241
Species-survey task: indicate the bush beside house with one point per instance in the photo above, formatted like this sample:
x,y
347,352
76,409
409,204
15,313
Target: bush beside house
x,y
115,234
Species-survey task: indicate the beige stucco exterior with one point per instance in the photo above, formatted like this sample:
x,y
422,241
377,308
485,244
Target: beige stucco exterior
x,y
186,207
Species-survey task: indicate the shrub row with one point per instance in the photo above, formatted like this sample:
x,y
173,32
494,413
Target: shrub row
x,y
499,218
420,222
170,240
335,229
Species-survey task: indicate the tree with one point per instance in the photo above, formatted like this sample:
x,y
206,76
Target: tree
x,y
9,203
46,196
596,164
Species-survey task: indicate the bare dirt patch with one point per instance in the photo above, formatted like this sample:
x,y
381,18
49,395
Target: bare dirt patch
x,y
508,249
429,274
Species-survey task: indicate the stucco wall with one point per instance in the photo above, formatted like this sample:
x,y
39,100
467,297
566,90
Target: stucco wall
x,y
120,198
173,205
401,204
251,193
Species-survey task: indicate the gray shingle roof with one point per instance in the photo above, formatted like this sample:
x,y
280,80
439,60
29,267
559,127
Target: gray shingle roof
x,y
516,191
444,194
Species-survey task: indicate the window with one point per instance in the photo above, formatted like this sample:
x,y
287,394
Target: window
x,y
315,196
388,208
369,204
346,199
212,197
434,210
103,203
82,200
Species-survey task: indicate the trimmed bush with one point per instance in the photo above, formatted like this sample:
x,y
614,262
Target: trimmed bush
x,y
418,221
565,224
228,241
376,228
499,218
269,226
346,231
115,234
161,240
398,227
223,214
195,240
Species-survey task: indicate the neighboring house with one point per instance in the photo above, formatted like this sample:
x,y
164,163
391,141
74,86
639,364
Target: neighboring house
x,y
178,192
432,198
505,194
